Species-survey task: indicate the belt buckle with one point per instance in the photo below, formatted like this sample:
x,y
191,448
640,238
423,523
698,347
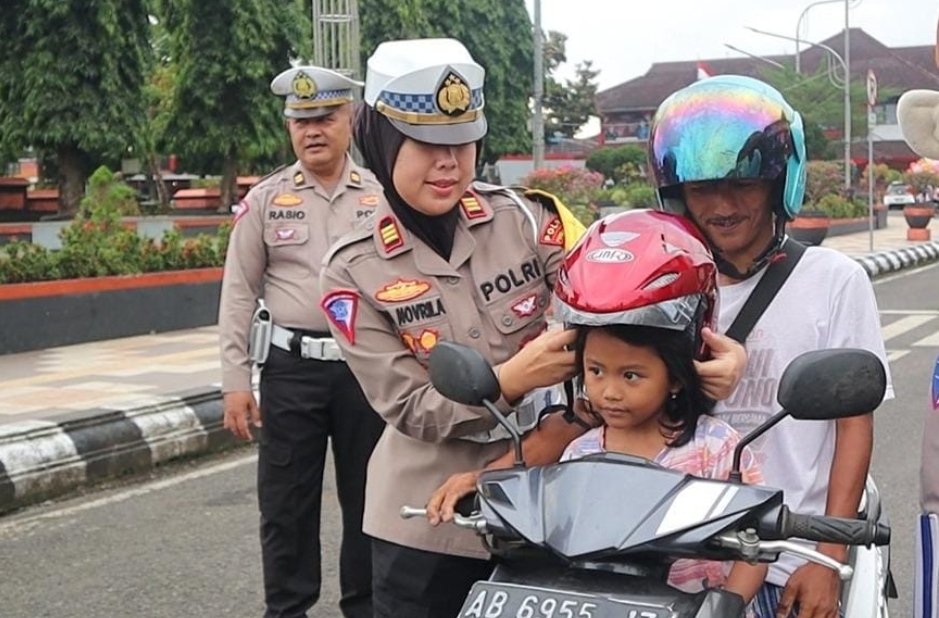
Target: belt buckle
x,y
311,347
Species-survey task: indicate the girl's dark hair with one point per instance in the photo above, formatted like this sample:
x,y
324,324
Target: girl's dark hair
x,y
676,349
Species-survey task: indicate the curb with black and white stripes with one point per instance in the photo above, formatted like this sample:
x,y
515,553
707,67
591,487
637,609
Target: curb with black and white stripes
x,y
41,459
890,261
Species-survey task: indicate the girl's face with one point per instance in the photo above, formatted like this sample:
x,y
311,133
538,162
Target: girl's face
x,y
627,385
431,178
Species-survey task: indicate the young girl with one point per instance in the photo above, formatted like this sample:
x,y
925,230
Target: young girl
x,y
636,344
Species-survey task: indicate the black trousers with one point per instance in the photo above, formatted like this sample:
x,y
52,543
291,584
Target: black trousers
x,y
304,403
410,583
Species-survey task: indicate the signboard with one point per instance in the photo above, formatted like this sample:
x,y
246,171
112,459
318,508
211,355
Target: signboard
x,y
871,88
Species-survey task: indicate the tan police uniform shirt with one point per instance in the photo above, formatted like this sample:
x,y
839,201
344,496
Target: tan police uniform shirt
x,y
282,230
391,299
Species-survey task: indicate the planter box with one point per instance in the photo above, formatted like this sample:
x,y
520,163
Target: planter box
x,y
56,313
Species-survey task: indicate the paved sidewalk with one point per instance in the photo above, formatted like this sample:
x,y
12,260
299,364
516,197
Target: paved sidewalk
x,y
78,414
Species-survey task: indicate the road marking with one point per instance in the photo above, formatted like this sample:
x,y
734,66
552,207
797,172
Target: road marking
x,y
895,355
26,523
930,341
909,312
904,325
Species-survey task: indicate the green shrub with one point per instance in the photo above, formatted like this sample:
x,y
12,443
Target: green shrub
x,y
837,207
97,244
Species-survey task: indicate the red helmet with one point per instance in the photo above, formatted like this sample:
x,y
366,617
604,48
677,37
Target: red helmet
x,y
641,267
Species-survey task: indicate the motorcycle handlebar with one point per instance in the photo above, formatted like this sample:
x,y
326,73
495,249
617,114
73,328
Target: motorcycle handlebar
x,y
826,529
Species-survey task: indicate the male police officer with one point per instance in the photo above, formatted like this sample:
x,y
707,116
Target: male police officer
x,y
918,113
282,229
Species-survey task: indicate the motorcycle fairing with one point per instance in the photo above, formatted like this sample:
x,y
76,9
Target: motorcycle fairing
x,y
608,505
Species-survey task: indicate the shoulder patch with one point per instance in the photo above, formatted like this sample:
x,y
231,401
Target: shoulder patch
x,y
390,234
553,233
240,210
341,307
471,207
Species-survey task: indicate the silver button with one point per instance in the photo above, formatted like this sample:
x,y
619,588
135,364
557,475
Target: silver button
x,y
474,333
507,320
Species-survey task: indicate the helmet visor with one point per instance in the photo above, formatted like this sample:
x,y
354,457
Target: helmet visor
x,y
675,314
715,132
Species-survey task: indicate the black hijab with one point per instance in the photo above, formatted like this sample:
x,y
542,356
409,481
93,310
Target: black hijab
x,y
379,143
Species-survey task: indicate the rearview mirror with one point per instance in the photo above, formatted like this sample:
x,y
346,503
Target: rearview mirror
x,y
461,374
821,385
831,384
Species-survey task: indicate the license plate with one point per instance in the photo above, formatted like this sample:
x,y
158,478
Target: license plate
x,y
501,600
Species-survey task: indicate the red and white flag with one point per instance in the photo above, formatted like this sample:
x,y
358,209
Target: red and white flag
x,y
704,71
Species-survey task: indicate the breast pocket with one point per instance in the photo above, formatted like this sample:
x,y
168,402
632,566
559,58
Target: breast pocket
x,y
520,317
287,248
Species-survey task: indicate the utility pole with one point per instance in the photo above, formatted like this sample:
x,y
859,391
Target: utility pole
x,y
336,36
847,99
537,120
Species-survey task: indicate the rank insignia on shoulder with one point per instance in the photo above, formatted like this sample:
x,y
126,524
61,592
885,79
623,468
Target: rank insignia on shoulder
x,y
553,233
471,207
298,179
402,290
355,178
240,210
390,234
287,200
341,307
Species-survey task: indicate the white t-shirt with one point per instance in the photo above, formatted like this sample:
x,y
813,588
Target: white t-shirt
x,y
827,302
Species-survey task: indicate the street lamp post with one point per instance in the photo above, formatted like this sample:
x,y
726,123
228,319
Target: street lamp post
x,y
799,25
847,100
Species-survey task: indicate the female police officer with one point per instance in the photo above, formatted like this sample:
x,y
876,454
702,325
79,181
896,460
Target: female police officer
x,y
441,260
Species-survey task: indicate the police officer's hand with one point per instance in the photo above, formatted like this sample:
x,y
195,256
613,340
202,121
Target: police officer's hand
x,y
545,361
721,374
442,503
241,413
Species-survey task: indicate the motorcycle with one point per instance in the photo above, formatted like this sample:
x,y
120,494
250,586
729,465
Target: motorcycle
x,y
595,537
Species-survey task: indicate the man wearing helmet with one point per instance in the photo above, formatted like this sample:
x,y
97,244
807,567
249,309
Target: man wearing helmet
x,y
728,152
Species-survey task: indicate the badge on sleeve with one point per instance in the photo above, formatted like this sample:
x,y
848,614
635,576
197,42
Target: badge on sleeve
x,y
240,210
553,233
341,307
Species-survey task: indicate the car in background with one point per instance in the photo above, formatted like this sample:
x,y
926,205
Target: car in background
x,y
898,195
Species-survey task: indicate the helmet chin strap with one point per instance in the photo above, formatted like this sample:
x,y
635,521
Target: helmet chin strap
x,y
764,259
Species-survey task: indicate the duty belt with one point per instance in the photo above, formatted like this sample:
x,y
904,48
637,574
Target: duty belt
x,y
315,348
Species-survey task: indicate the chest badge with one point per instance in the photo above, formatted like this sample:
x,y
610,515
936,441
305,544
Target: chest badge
x,y
286,234
369,200
527,306
287,200
402,290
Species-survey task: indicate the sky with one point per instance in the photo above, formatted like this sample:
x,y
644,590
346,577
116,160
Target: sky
x,y
624,37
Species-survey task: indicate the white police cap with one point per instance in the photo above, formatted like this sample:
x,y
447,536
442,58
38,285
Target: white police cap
x,y
313,91
430,89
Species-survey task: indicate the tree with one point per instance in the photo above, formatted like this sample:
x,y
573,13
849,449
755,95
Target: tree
x,y
226,52
621,164
570,106
821,105
498,35
71,74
